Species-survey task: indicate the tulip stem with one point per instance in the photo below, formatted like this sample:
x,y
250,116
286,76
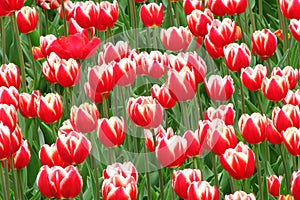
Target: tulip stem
x,y
147,174
6,177
105,107
19,178
232,185
66,95
3,40
260,9
15,179
241,27
214,162
81,195
258,169
259,101
64,18
134,22
184,108
176,13
20,52
96,177
286,171
46,20
200,103
33,61
283,26
4,186
161,184
243,96
251,18
294,163
36,131
171,13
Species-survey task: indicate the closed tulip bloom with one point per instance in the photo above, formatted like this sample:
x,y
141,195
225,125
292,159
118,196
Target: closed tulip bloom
x,y
239,162
222,33
272,134
16,139
67,72
295,28
67,127
237,56
85,117
73,148
108,15
218,88
264,43
152,14
45,44
295,184
140,1
27,19
163,96
73,28
292,98
49,108
28,103
176,39
155,64
285,117
275,88
290,8
86,14
9,96
5,140
58,182
202,190
119,187
252,77
10,75
182,179
145,112
159,133
190,5
111,132
171,152
198,22
4,13
273,183
49,67
48,4
193,143
49,156
288,72
69,10
126,169
223,112
22,156
234,7
111,52
12,5
240,195
291,139
124,72
37,53
252,127
216,6
8,116
94,96
213,50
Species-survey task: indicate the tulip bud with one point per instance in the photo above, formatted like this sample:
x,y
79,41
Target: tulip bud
x,y
288,72
264,43
193,143
291,139
69,10
49,156
240,195
5,140
8,116
9,96
287,116
237,56
198,22
22,156
27,19
202,190
12,5
86,14
275,83
67,127
218,88
223,112
292,98
126,169
295,183
108,15
112,52
190,5
10,75
274,184
160,133
252,77
48,4
67,72
234,7
45,44
216,6
295,28
28,103
163,96
213,50
152,14
290,9
125,72
272,134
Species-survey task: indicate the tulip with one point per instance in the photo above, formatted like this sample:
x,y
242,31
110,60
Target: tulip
x,y
295,184
85,117
223,112
108,15
295,28
182,179
49,156
154,64
202,190
67,72
163,96
118,187
94,96
58,182
274,184
140,1
125,72
69,10
48,4
264,43
234,7
218,88
252,77
288,72
240,195
4,13
37,53
10,75
22,156
237,56
49,108
126,169
112,52
28,103
216,6
8,116
145,112
291,139
74,28
49,67
198,22
73,148
11,5
272,134
190,5
86,14
9,96
290,8
45,44
171,152
213,50
275,88
16,139
67,127
176,39
193,143
239,161
252,127
5,140
292,98
286,197
152,14
287,116
27,19
160,133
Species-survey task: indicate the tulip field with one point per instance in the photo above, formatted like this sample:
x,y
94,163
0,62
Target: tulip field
x,y
150,99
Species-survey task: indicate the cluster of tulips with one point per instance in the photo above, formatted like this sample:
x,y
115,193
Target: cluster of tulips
x,y
240,125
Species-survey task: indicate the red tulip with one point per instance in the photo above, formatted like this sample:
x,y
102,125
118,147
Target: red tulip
x,y
9,96
222,33
202,190
49,156
67,72
11,5
10,75
154,64
28,103
193,143
176,39
275,88
292,98
218,88
112,52
152,14
108,15
85,117
288,72
86,14
160,133
216,6
239,161
237,56
27,19
140,1
290,8
295,28
171,152
286,197
240,195
49,108
22,156
111,132
190,5
69,10
264,43
198,22
163,96
119,187
295,184
252,127
182,179
74,28
124,72
94,96
8,116
274,184
73,148
49,67
272,134
291,139
234,7
45,44
5,140
223,112
126,169
252,77
37,53
213,50
287,116
145,112
4,13
16,139
58,182
67,127
48,4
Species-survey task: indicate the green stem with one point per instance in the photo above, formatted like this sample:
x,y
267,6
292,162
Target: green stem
x,y
149,40
64,18
171,13
184,108
20,52
147,174
260,9
155,38
4,186
46,20
232,184
66,96
53,130
195,165
81,195
242,96
283,26
251,18
176,13
105,107
258,169
3,39
214,162
21,189
200,103
286,171
161,184
241,26
33,61
134,22
6,177
259,101
294,163
96,177
15,180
